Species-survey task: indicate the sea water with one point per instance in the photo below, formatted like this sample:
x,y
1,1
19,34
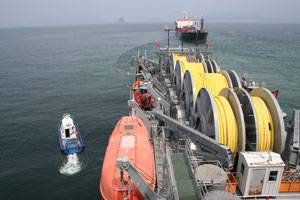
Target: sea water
x,y
85,70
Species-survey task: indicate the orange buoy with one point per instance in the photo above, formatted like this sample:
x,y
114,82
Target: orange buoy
x,y
131,139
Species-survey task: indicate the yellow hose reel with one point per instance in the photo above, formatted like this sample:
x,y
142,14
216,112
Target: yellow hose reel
x,y
240,120
235,118
220,117
193,82
181,67
174,58
206,64
264,122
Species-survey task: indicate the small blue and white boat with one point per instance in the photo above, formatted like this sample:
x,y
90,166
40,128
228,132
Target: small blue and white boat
x,y
69,137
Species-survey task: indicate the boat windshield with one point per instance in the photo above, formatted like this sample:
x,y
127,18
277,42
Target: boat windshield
x,y
67,131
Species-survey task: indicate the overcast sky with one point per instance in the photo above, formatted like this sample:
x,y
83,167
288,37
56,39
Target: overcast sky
x,y
64,12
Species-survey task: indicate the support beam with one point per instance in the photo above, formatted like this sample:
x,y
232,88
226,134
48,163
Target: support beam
x,y
294,143
145,189
211,150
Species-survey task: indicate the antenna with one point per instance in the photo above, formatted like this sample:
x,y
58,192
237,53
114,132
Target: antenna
x,y
168,29
185,14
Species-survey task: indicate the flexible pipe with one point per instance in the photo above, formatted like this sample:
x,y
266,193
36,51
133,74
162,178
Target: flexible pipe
x,y
265,125
228,129
214,82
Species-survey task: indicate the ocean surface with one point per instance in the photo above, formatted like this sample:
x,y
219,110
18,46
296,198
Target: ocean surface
x,y
48,71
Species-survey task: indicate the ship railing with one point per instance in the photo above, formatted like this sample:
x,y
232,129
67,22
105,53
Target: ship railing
x,y
190,51
174,49
290,182
174,190
194,160
230,183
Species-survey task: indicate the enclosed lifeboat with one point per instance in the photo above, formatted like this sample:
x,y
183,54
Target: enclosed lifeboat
x,y
130,139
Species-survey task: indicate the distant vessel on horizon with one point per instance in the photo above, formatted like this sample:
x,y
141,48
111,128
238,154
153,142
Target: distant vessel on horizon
x,y
191,29
121,20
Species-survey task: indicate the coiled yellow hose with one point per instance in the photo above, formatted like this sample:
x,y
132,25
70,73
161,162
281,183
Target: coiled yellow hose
x,y
228,129
214,82
195,67
265,124
178,57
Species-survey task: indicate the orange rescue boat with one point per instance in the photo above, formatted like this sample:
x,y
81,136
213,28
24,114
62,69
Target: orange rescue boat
x,y
131,139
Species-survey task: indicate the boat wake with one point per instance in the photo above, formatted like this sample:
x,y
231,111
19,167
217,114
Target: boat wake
x,y
71,166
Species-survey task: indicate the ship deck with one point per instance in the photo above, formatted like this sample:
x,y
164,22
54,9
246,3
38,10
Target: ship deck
x,y
185,183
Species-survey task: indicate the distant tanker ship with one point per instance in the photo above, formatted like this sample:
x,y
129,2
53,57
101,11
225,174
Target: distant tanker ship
x,y
191,30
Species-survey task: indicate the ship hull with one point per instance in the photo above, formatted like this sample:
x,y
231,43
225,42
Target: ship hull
x,y
200,37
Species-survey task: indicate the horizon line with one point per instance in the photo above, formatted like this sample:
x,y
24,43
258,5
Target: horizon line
x,y
154,22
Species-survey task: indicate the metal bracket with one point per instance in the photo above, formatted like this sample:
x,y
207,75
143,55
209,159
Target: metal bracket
x,y
294,147
160,98
211,149
124,164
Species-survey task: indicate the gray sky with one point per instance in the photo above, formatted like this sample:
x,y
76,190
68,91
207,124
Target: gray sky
x,y
62,12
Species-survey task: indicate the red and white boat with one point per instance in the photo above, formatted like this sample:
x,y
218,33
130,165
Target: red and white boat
x,y
191,29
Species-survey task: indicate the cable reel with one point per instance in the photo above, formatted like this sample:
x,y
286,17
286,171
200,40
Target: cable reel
x,y
174,58
221,118
215,66
276,115
212,66
263,119
178,77
250,118
209,66
193,82
204,116
201,59
258,117
236,82
235,104
181,68
172,65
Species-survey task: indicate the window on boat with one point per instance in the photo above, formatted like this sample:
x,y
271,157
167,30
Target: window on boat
x,y
242,169
128,127
67,131
128,141
273,175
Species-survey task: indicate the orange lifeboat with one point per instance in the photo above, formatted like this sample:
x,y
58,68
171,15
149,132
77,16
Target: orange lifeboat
x,y
131,139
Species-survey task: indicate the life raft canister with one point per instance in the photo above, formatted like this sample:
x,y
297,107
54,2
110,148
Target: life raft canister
x,y
136,85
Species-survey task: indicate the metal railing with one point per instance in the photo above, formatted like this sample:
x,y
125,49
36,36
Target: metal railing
x,y
197,160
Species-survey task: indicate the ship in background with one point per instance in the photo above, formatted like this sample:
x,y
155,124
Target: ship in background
x,y
191,29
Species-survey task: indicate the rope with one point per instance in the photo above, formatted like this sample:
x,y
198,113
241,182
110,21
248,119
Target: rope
x,y
265,124
228,129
